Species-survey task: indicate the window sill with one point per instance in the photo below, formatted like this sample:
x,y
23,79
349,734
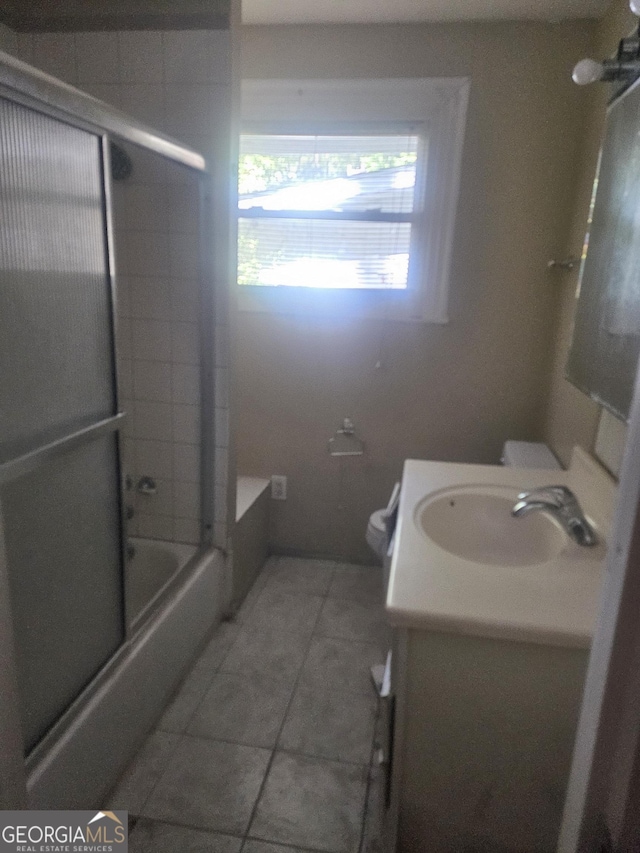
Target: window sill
x,y
402,305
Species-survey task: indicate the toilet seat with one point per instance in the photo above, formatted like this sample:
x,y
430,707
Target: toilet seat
x,y
377,536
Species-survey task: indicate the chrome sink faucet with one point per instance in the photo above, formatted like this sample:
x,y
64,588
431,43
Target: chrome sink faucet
x,y
563,505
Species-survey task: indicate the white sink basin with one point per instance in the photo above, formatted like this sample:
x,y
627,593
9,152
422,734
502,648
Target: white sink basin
x,y
475,523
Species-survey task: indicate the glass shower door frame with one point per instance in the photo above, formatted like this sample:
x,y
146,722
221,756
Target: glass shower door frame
x,y
35,458
34,90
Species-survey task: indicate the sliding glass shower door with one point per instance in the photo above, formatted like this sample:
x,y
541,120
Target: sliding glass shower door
x,y
60,494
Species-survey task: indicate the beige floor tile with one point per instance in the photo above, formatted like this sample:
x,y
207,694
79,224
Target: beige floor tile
x,y
242,709
209,785
333,723
311,803
152,836
144,772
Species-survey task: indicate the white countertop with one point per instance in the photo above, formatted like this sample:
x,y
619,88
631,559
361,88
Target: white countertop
x,y
553,603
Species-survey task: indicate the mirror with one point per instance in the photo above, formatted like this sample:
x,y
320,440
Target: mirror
x,y
606,336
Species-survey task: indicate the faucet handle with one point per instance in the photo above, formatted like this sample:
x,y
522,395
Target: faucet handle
x,y
562,494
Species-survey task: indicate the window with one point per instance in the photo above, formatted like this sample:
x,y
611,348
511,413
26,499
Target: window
x,y
331,211
347,195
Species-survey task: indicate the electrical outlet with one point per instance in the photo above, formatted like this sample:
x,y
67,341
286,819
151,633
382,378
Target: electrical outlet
x,y
278,487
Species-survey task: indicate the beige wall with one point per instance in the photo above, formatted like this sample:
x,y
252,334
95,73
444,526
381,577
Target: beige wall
x,y
453,392
572,418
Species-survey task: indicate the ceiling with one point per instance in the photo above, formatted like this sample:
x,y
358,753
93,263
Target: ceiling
x,y
58,15
51,15
388,11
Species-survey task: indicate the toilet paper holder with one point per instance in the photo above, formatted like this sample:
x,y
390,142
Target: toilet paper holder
x,y
345,442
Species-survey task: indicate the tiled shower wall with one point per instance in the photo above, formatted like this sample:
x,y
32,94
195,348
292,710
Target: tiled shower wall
x,y
156,230
178,82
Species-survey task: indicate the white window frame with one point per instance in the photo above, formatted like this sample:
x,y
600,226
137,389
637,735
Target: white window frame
x,y
436,105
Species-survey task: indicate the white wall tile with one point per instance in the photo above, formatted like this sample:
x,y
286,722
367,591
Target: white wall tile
x,y
147,254
222,387
146,102
146,207
190,113
127,407
186,424
123,292
125,349
118,204
221,334
186,384
154,459
221,56
220,503
195,56
110,93
186,500
152,381
221,466
160,503
97,55
187,530
180,175
153,421
55,53
125,377
184,255
186,343
140,57
156,527
184,208
186,462
128,446
148,168
221,427
151,340
185,299
150,298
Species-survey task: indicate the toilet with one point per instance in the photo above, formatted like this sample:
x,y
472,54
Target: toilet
x,y
381,525
528,454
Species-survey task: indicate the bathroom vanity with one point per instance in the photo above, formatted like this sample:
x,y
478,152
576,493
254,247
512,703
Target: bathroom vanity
x,y
493,617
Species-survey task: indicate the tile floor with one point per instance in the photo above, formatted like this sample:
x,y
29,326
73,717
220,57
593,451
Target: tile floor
x,y
268,745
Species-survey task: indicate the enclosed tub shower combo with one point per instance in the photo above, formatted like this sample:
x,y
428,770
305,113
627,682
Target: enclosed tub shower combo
x,y
97,622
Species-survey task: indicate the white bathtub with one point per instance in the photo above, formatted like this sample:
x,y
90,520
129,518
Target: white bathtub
x,y
150,569
81,758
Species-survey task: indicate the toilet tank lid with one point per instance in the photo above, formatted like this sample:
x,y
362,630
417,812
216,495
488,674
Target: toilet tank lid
x,y
528,454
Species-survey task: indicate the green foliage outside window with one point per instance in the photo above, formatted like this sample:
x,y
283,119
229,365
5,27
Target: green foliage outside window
x,y
263,172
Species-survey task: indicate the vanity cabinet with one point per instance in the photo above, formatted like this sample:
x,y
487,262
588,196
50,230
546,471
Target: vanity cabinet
x,y
479,736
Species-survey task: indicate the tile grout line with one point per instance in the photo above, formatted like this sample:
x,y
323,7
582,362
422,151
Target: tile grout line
x,y
216,671
160,775
277,739
367,767
181,735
